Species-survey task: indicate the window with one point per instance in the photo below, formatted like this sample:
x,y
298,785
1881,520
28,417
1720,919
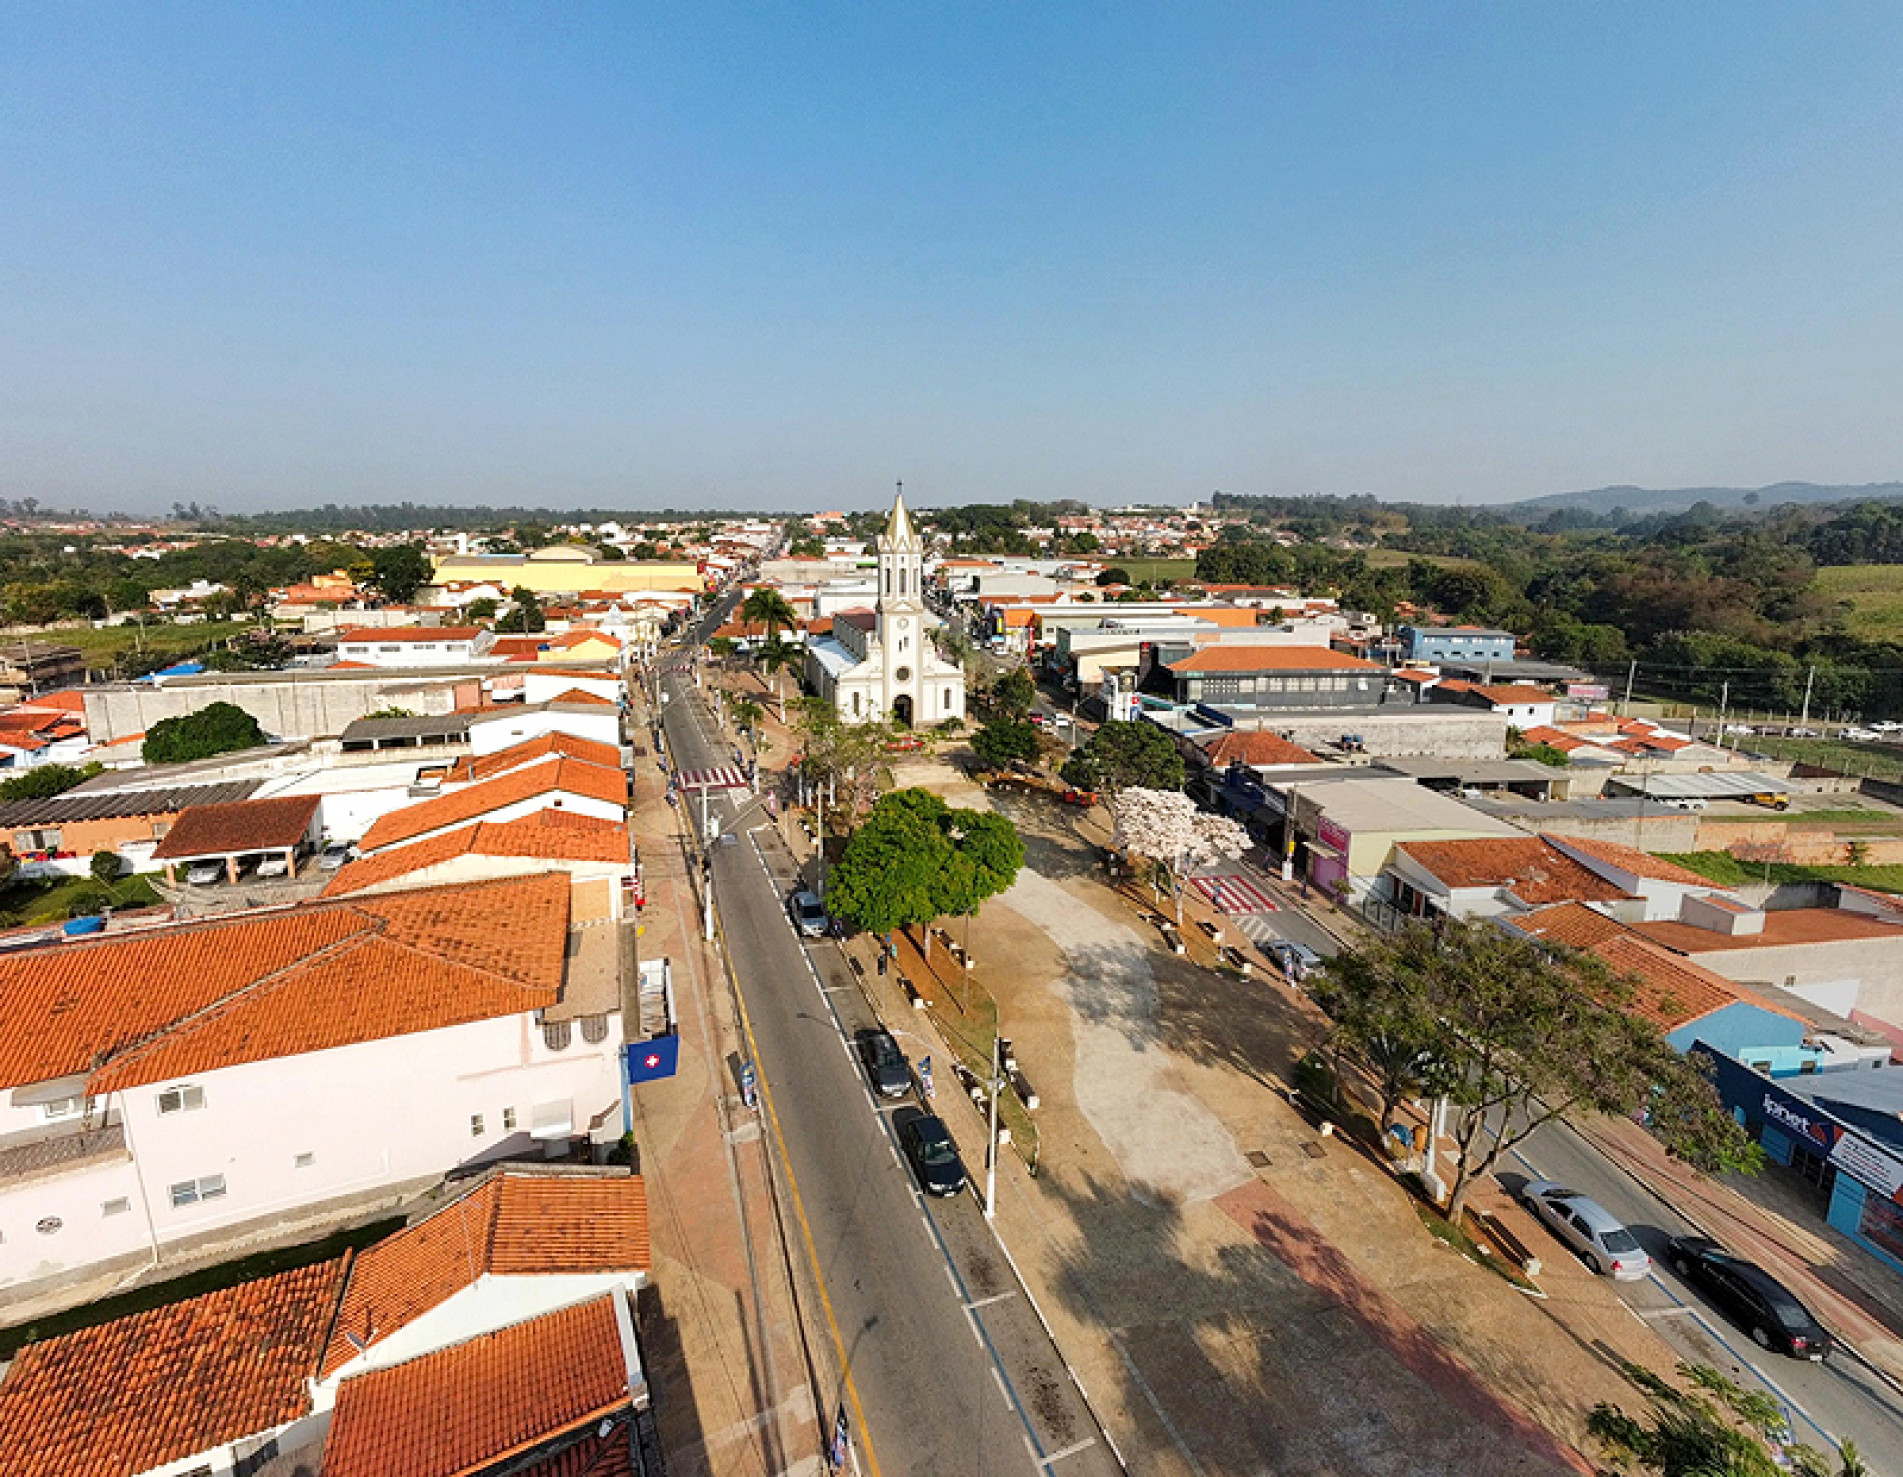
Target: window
x,y
117,1206
557,1034
508,1120
594,1029
389,648
159,828
303,1161
181,1100
190,1192
475,1125
66,1107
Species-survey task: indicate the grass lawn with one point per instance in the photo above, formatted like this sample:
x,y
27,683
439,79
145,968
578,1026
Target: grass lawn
x,y
1397,558
1874,593
1726,870
1153,569
102,646
1880,761
50,900
193,1284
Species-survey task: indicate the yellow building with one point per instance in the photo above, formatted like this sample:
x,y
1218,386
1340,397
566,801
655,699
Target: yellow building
x,y
568,569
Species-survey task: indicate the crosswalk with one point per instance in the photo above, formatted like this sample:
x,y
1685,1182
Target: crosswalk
x,y
1234,894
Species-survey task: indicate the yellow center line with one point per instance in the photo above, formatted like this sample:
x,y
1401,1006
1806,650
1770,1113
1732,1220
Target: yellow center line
x,y
863,1438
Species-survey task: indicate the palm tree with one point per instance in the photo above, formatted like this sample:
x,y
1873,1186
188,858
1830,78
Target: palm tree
x,y
767,607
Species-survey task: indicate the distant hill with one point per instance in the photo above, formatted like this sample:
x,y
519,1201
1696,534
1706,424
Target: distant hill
x,y
1678,499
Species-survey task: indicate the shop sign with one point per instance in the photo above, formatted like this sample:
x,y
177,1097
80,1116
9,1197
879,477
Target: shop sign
x,y
1868,1163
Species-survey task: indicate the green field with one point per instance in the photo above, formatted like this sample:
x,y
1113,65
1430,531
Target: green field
x,y
1876,761
1152,569
103,645
1874,593
1726,870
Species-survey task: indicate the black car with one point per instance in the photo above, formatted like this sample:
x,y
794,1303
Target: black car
x,y
886,1067
1751,1296
928,1144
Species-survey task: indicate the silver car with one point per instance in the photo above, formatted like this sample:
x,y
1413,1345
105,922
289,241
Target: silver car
x,y
1589,1228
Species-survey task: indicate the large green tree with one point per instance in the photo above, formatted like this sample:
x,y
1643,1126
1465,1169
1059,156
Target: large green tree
x,y
216,728
1003,740
46,780
916,859
1717,1428
1520,1033
1014,694
1124,755
767,607
399,571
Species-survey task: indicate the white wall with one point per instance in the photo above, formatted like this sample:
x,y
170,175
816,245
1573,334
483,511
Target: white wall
x,y
490,735
544,686
374,1114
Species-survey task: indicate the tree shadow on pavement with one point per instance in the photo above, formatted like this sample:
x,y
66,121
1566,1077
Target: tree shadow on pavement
x,y
1274,1356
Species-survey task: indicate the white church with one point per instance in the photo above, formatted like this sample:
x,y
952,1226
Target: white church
x,y
880,664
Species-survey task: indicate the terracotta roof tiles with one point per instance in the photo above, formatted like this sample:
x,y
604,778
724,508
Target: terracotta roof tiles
x,y
461,1409
1257,747
159,1386
1631,859
530,751
567,776
1239,658
547,835
238,826
1531,869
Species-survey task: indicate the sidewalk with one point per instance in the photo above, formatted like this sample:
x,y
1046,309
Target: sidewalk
x,y
1858,1298
719,1324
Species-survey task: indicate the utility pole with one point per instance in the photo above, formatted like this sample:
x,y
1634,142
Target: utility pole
x,y
1810,676
1631,671
1724,701
991,1134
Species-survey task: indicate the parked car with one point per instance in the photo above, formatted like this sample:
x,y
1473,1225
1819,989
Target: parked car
x,y
205,874
928,1144
1813,733
1861,735
1296,961
1760,1304
1686,802
1589,1228
886,1066
808,913
333,856
272,866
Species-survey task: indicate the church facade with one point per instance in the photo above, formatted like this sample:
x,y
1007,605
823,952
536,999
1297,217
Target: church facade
x,y
880,664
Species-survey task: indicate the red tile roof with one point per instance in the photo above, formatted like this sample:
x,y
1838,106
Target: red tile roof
x,y
564,776
1782,927
136,1007
238,826
517,648
581,638
531,751
1237,746
1573,924
1631,859
1530,868
1238,658
388,634
587,699
159,1386
464,1408
547,835
511,1225
1513,694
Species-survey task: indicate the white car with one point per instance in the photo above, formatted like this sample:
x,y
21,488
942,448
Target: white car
x,y
1887,725
273,866
1860,735
1743,730
1599,1238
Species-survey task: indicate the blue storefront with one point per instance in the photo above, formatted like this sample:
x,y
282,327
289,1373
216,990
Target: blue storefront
x,y
1857,1176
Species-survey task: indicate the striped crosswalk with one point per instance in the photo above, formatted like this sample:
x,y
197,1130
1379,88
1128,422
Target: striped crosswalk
x,y
1234,894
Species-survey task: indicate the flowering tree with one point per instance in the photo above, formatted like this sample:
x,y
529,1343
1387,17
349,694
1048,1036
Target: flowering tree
x,y
1166,827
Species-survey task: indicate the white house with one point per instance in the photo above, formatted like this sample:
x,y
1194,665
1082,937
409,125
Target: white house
x,y
575,712
880,664
345,1361
571,785
188,1084
415,646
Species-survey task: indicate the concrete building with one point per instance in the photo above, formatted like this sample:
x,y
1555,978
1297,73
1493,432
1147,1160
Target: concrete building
x,y
1275,678
409,647
61,833
184,1086
1455,643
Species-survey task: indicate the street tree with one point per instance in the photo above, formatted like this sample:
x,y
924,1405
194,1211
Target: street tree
x,y
216,728
1520,1033
1014,695
916,859
1166,827
850,758
1715,1429
525,615
1121,755
1000,741
747,717
483,609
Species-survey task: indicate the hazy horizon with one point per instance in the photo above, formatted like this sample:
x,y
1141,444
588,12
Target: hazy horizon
x,y
260,257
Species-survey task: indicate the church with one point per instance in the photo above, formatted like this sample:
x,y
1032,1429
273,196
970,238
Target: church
x,y
880,664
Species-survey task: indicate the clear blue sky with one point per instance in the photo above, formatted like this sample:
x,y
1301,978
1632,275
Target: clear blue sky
x,y
773,255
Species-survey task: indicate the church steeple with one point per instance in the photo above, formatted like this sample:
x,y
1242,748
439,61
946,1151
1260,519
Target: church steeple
x,y
901,561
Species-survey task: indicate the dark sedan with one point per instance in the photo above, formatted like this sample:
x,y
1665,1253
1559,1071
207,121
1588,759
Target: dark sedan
x,y
928,1144
1751,1296
886,1067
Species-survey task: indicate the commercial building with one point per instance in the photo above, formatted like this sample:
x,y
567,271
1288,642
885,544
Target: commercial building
x,y
1279,678
1455,643
408,647
568,569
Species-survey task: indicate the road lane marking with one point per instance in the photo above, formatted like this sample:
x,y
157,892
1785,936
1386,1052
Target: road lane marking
x,y
1058,1456
996,1297
1009,1403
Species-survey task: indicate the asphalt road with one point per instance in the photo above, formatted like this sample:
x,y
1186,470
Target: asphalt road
x,y
1826,1402
951,1369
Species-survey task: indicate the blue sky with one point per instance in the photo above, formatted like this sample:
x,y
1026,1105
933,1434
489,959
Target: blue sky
x,y
779,256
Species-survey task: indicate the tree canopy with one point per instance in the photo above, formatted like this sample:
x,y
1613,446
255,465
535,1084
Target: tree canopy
x,y
1014,694
915,859
1003,740
767,607
216,728
46,780
1516,1033
399,571
1120,755
1717,1428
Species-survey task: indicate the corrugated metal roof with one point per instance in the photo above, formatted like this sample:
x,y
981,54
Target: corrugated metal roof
x,y
61,810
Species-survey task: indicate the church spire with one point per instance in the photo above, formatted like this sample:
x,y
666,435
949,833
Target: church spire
x,y
898,528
